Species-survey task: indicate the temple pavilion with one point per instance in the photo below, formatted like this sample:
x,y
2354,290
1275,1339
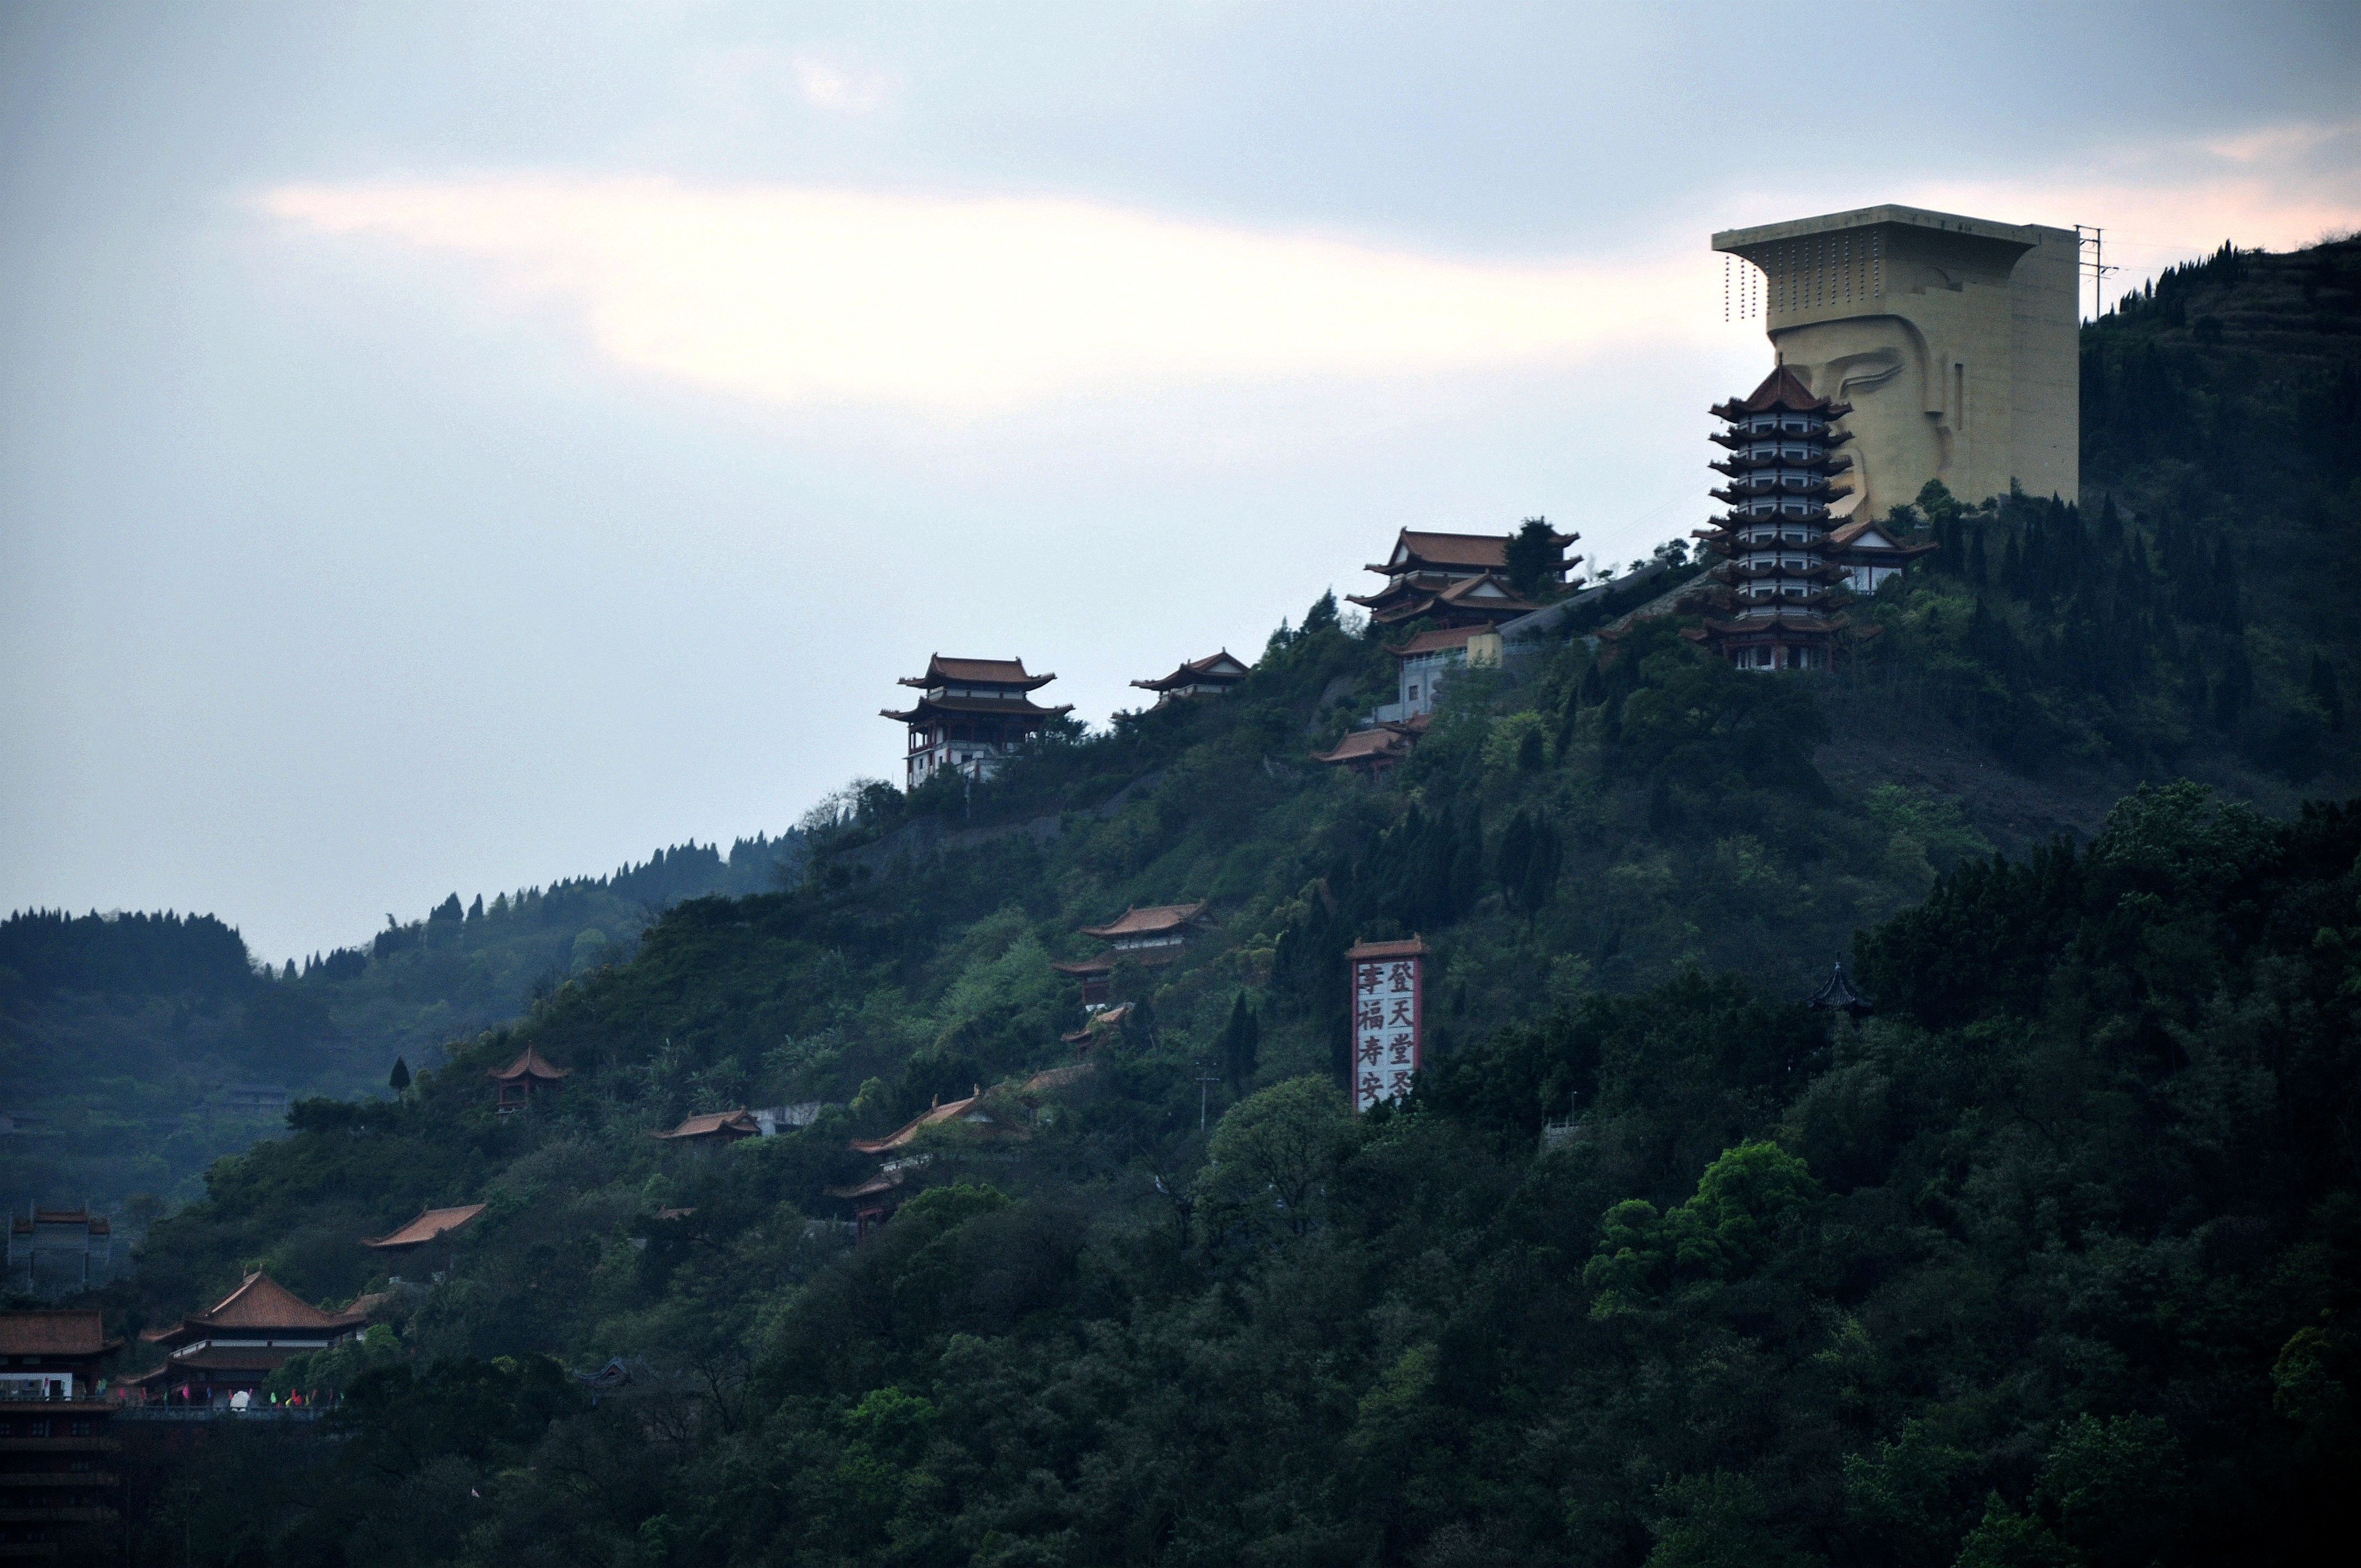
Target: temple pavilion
x,y
1774,593
711,1129
523,1079
1208,677
1153,936
425,1241
1454,579
972,717
237,1343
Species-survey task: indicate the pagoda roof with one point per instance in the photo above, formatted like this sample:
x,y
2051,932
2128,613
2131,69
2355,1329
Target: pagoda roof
x,y
531,1064
62,1332
1103,964
1157,917
1222,666
936,1115
431,1224
719,1126
1785,391
1004,707
976,673
1414,948
1837,994
260,1302
1416,548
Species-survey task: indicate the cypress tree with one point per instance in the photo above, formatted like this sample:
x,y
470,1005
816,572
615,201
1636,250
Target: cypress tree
x,y
1241,1039
398,1079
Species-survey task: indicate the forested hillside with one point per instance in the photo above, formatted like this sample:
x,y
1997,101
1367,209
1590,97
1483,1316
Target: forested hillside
x,y
2049,1260
119,1033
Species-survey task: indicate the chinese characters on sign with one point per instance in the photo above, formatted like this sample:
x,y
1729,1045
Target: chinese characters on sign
x,y
1389,1018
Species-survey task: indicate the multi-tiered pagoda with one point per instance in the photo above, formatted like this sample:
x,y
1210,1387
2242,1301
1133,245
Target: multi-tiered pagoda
x,y
1455,579
973,716
1776,591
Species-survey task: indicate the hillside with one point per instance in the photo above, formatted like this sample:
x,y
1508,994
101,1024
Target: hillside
x,y
119,1035
2052,1259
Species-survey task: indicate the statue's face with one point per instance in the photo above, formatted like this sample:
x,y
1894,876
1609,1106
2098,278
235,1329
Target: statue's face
x,y
1878,363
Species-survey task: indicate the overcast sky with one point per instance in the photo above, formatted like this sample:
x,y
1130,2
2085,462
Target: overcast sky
x,y
449,446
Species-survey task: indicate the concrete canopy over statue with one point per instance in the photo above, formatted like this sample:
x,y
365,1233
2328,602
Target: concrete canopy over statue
x,y
1954,339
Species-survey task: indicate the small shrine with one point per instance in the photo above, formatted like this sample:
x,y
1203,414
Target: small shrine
x,y
973,715
1455,579
235,1344
523,1079
1209,676
1154,937
711,1129
1838,994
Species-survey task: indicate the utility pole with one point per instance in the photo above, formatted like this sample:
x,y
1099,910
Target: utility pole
x,y
2090,237
1203,1078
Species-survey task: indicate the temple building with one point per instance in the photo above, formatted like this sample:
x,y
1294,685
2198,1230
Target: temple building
x,y
1153,936
57,1486
1375,751
1426,660
1871,556
523,1079
1775,590
237,1343
1209,676
972,717
1455,579
711,1129
423,1246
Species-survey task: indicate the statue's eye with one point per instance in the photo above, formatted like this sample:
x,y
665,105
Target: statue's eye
x,y
1866,372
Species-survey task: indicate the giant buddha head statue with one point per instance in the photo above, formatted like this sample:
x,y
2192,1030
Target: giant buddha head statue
x,y
1879,363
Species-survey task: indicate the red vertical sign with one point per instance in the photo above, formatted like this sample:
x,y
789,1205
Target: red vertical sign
x,y
1389,1018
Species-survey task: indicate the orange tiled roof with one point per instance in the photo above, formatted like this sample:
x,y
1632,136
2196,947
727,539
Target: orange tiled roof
x,y
54,1334
1138,922
935,1117
261,1302
430,1224
721,1124
1222,666
531,1064
977,672
1384,743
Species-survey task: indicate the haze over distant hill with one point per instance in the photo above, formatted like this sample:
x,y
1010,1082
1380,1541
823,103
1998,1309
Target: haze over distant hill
x,y
121,1036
